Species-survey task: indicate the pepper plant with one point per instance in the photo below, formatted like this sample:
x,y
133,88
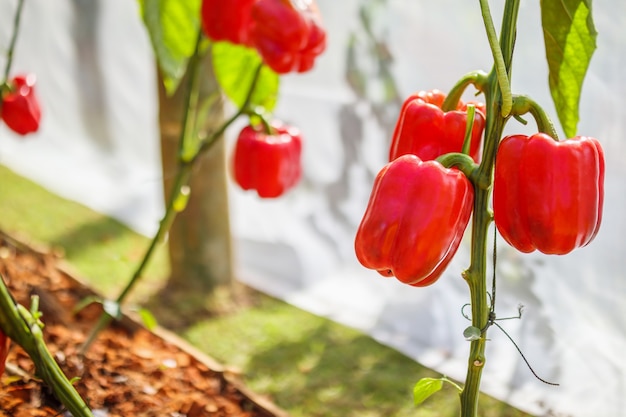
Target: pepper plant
x,y
249,53
248,49
547,194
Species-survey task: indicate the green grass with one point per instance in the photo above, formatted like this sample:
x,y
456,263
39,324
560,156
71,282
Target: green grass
x,y
308,365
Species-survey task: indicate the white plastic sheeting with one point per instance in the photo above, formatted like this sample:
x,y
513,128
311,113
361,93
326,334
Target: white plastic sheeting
x,y
98,144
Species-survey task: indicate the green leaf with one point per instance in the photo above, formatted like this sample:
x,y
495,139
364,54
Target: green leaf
x,y
235,67
424,388
173,27
472,333
147,318
570,39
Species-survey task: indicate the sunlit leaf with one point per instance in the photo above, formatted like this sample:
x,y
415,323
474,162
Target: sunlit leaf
x,y
235,67
570,40
424,388
173,28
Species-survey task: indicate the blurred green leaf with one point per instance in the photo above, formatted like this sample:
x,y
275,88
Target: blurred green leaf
x,y
235,67
424,388
570,40
173,28
148,319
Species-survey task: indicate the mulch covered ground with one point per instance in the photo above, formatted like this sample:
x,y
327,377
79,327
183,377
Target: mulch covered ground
x,y
127,372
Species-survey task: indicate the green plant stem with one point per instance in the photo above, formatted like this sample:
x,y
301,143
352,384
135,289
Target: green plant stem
x,y
180,183
524,104
190,112
476,78
476,274
500,66
24,328
462,161
16,28
244,109
469,128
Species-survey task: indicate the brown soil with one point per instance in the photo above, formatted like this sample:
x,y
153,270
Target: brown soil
x,y
127,372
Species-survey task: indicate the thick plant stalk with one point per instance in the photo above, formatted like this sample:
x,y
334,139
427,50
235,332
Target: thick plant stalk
x,y
476,274
21,326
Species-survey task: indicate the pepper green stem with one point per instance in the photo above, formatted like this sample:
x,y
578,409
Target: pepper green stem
x,y
180,187
469,128
476,78
190,112
25,329
498,57
524,104
16,28
462,161
476,274
244,109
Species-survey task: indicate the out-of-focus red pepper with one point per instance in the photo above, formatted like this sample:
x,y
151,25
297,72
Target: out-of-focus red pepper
x,y
288,34
227,20
268,163
548,195
423,129
415,220
20,107
5,344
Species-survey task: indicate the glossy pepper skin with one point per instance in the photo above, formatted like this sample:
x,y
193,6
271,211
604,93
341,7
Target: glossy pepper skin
x,y
268,163
20,106
227,20
548,195
423,129
415,220
288,34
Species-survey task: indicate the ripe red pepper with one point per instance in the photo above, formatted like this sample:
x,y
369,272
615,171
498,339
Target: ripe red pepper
x,y
268,163
20,106
423,129
288,34
548,195
414,221
227,20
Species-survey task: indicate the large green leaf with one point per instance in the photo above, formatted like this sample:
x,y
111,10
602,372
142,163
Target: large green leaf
x,y
570,39
235,67
173,27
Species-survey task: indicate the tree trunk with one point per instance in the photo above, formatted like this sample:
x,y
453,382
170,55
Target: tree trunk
x,y
199,239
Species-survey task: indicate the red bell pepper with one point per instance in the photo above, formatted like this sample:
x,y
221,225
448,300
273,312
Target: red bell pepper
x,y
268,163
548,195
20,106
414,221
288,34
425,130
227,20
